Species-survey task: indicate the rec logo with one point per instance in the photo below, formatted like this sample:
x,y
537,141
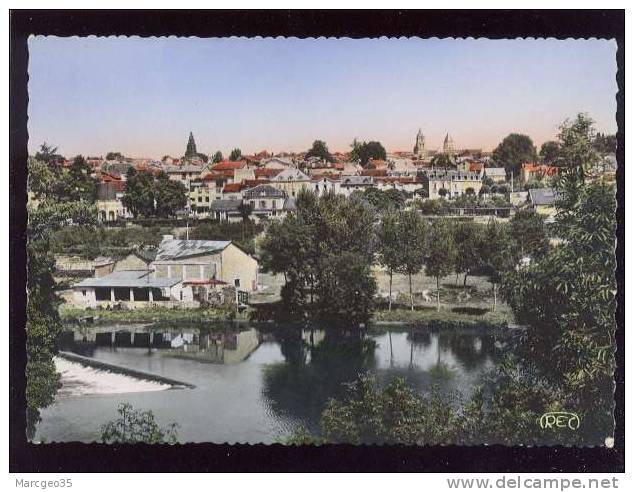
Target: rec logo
x,y
559,420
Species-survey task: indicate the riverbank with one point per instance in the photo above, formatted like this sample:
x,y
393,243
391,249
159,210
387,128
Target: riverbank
x,y
152,315
448,314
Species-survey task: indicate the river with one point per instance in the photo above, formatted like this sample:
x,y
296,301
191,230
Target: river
x,y
257,385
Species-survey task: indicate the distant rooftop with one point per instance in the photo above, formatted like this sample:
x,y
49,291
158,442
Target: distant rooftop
x,y
130,278
543,196
170,248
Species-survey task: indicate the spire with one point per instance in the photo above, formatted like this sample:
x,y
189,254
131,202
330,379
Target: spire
x,y
191,146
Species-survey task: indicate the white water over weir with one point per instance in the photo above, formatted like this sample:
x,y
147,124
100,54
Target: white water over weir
x,y
84,376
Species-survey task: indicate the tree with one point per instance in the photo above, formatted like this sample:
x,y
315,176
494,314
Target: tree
x,y
467,238
389,246
320,149
139,193
136,426
412,231
43,324
498,254
395,414
442,192
384,200
567,297
191,151
443,160
170,196
485,189
604,144
528,230
114,156
363,152
470,191
48,154
236,155
245,209
202,157
513,151
217,157
325,252
440,253
433,207
82,186
548,152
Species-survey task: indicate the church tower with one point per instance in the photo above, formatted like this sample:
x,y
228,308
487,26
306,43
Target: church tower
x,y
448,147
191,147
419,147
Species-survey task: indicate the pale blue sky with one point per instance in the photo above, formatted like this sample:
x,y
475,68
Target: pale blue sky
x,y
143,96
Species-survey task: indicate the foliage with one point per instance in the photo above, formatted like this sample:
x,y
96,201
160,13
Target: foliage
x,y
137,426
114,156
443,160
393,415
498,255
467,238
245,209
513,151
48,155
235,155
56,184
567,298
439,253
363,152
434,207
308,247
217,157
548,152
169,196
528,230
412,231
604,144
384,200
389,246
320,149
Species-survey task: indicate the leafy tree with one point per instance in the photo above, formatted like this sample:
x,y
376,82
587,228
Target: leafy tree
x,y
139,193
320,149
114,156
440,253
548,152
498,254
308,247
363,152
467,238
217,157
169,196
567,297
245,209
604,144
528,230
485,189
443,160
236,155
394,415
433,207
82,186
389,244
43,324
442,192
412,230
384,200
48,154
202,157
136,426
513,151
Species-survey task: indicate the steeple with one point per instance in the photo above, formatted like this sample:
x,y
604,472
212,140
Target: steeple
x,y
419,147
191,146
447,147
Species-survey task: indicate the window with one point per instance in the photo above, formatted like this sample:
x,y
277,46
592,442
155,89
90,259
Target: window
x,y
183,176
236,282
274,204
83,293
262,204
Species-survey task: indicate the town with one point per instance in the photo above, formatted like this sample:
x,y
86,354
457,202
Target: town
x,y
453,183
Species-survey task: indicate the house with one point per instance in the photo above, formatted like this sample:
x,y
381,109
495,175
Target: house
x,y
532,172
200,197
266,200
439,183
109,205
543,201
291,181
325,183
137,260
226,210
350,184
496,174
276,163
184,273
184,173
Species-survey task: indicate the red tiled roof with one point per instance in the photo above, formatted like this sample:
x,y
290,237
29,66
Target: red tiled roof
x,y
374,172
232,188
266,172
475,167
228,165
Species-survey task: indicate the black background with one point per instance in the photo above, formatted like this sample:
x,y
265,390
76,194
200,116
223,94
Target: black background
x,y
76,457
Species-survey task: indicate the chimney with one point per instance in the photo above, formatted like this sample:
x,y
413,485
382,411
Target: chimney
x,y
167,237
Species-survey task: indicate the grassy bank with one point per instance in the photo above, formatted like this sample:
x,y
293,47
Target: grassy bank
x,y
155,314
448,314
